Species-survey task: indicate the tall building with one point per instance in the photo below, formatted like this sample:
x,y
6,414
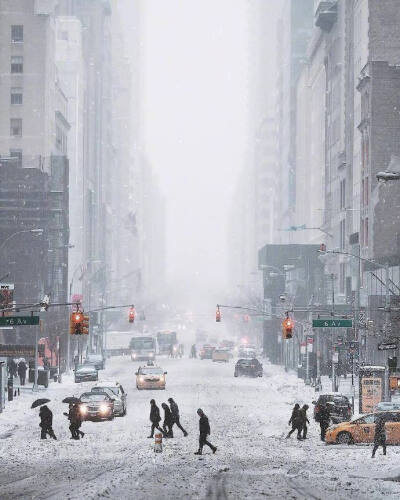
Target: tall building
x,y
34,131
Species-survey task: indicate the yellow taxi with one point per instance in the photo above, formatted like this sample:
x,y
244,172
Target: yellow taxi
x,y
221,354
362,429
150,377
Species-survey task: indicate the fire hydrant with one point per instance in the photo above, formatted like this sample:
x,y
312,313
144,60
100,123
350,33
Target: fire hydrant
x,y
158,442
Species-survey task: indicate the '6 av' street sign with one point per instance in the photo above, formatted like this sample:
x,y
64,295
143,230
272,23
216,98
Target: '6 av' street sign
x,y
332,323
19,320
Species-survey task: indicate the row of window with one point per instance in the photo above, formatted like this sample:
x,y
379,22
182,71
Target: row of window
x,y
61,137
17,33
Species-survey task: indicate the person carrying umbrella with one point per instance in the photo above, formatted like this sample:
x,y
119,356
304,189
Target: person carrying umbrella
x,y
46,422
75,421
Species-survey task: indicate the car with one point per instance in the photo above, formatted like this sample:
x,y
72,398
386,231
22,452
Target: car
x,y
220,354
85,373
387,405
206,351
249,367
150,377
362,429
97,360
116,391
339,406
96,406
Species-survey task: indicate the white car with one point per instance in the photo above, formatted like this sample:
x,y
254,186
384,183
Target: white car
x,y
116,392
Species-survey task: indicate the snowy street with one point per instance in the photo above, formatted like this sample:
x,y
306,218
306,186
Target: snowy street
x,y
248,419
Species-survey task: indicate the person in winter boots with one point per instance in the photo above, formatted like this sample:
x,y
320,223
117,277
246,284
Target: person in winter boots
x,y
155,419
175,415
168,421
46,422
205,431
324,417
75,421
22,371
294,419
303,421
380,435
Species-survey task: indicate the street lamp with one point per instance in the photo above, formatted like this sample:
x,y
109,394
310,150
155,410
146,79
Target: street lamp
x,y
304,227
32,231
392,172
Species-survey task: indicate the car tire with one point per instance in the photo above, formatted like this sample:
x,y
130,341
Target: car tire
x,y
344,438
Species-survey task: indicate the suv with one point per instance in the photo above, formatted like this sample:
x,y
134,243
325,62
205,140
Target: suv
x,y
339,405
250,367
97,360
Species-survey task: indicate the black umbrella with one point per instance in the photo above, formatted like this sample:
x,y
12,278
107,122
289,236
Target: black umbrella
x,y
70,400
40,402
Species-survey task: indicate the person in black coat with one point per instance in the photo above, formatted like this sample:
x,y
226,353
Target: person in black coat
x,y
22,371
205,431
294,419
155,419
175,415
303,421
168,421
324,418
380,435
13,368
75,421
46,422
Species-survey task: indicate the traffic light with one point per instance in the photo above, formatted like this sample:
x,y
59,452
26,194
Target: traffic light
x,y
322,247
85,324
287,328
246,318
218,315
132,314
75,323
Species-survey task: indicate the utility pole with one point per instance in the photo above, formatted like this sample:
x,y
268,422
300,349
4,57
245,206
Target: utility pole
x,y
35,380
387,325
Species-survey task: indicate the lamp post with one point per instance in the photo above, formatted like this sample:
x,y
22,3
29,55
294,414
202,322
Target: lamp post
x,y
32,231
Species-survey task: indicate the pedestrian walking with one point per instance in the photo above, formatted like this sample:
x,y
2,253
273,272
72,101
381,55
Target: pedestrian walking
x,y
324,418
155,418
303,421
205,431
22,371
168,421
380,435
294,419
13,368
75,421
175,415
193,352
46,422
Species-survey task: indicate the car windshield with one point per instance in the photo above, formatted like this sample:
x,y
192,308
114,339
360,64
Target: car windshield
x,y
85,368
151,371
114,390
142,344
94,357
90,396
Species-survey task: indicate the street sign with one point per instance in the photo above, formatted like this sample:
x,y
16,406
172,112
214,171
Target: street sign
x,y
19,320
17,351
386,346
332,323
335,357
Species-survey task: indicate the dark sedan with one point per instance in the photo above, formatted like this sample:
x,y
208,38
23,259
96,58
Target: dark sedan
x,y
248,367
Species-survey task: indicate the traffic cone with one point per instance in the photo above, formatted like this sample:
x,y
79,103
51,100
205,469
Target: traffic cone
x,y
158,442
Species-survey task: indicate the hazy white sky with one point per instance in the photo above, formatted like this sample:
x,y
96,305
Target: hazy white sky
x,y
195,71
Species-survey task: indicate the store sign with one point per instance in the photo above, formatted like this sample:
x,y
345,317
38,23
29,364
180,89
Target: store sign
x,y
6,295
17,351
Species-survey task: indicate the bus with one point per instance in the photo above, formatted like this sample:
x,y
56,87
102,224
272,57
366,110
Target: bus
x,y
143,348
167,342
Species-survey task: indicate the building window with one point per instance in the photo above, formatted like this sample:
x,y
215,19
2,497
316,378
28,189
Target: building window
x,y
61,140
17,64
16,127
342,234
343,194
17,154
17,33
16,95
342,277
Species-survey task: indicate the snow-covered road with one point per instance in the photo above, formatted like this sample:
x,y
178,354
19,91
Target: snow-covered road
x,y
248,420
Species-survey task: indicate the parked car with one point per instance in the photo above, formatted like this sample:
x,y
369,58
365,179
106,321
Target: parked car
x,y
249,367
339,405
116,391
85,373
220,354
206,351
362,429
387,406
150,377
97,360
96,406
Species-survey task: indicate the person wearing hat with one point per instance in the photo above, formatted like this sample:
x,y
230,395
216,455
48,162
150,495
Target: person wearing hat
x,y
155,419
175,415
205,431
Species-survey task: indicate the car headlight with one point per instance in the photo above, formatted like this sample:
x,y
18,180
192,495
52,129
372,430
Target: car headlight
x,y
104,409
83,409
141,379
151,354
133,356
